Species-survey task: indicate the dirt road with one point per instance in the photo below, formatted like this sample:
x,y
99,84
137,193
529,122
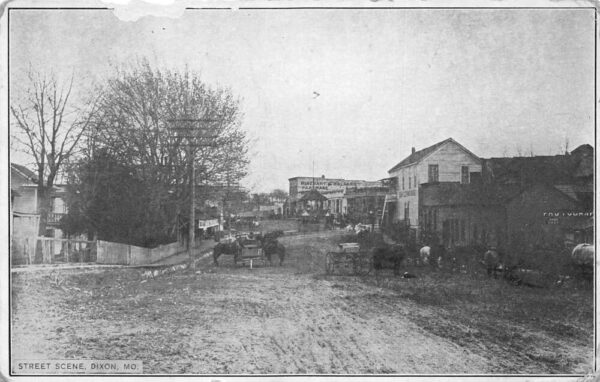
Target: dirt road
x,y
240,321
274,320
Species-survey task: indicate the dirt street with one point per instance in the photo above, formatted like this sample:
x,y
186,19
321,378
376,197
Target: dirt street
x,y
284,320
242,321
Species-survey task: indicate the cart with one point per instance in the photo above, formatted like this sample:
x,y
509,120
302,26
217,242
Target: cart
x,y
348,259
251,253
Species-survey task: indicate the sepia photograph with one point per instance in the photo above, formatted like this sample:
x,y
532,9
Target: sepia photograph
x,y
367,189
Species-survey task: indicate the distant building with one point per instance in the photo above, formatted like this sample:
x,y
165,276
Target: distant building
x,y
364,205
336,201
299,186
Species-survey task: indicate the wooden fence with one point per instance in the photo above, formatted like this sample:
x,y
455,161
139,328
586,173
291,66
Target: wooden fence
x,y
63,251
67,250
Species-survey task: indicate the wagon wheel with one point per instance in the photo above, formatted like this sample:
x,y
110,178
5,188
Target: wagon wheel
x,y
363,264
329,263
368,265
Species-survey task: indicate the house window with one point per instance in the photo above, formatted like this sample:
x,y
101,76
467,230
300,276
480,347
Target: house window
x,y
415,180
403,182
433,173
464,174
406,210
409,182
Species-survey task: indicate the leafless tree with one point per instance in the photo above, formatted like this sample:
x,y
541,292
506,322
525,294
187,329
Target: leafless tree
x,y
48,127
519,150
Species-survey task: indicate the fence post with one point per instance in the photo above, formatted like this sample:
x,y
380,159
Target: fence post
x,y
44,250
28,251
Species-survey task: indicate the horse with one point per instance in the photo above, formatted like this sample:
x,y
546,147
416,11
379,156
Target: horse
x,y
233,248
272,247
491,260
425,254
388,256
273,235
582,257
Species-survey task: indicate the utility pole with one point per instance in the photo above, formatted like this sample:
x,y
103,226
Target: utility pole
x,y
191,159
192,225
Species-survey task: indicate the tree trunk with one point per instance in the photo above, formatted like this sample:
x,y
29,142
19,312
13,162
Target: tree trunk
x,y
45,206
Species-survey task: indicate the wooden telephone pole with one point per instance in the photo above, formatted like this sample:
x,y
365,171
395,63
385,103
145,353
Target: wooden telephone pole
x,y
192,145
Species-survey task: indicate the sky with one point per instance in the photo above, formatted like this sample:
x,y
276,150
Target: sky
x,y
348,92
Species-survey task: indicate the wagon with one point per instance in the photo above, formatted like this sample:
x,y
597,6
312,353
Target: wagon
x,y
348,259
252,252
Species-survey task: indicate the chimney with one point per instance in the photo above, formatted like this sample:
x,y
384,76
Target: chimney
x,y
413,150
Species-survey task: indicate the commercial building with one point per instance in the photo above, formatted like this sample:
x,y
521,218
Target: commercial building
x,y
445,161
332,188
532,201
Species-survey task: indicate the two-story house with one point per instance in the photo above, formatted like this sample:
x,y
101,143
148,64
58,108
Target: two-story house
x,y
444,162
25,203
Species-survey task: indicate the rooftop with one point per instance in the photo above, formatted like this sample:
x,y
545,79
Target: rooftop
x,y
24,171
419,155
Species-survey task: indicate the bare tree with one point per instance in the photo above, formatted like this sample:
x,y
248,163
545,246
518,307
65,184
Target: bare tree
x,y
519,150
162,121
48,127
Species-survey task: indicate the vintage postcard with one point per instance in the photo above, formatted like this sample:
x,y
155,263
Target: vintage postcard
x,y
237,189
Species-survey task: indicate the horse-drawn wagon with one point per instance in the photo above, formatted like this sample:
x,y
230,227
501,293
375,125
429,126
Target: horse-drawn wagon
x,y
348,259
252,252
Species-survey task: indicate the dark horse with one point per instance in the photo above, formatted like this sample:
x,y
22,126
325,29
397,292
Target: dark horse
x,y
272,247
388,256
234,248
269,236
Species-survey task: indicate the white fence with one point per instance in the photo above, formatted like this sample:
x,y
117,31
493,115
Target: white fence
x,y
124,254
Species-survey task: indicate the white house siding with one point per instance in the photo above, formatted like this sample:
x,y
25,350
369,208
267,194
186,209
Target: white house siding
x,y
449,158
26,201
409,193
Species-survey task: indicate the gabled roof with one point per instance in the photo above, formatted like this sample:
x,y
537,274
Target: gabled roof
x,y
23,171
585,149
540,187
574,191
557,169
313,195
418,156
